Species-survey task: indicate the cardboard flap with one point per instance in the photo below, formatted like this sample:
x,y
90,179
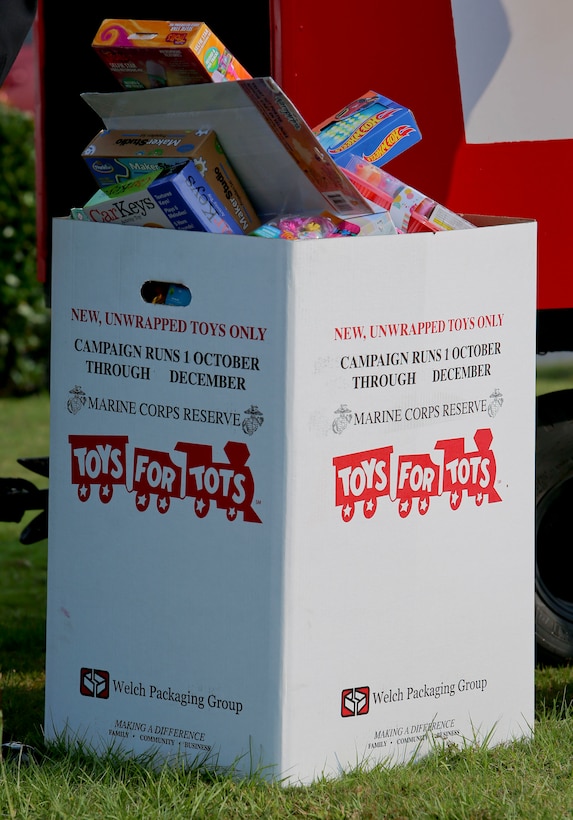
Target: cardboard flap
x,y
273,151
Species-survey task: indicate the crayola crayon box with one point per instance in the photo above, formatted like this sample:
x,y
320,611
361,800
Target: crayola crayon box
x,y
373,127
156,53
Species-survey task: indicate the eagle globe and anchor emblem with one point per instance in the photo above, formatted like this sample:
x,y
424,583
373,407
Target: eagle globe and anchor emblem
x,y
77,400
253,420
342,418
496,403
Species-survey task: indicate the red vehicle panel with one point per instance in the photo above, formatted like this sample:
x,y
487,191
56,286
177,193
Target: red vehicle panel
x,y
412,59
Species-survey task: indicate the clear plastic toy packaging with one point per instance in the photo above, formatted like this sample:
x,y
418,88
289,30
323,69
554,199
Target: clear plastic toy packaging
x,y
410,209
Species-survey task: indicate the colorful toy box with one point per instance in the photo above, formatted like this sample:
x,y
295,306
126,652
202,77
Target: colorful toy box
x,y
373,127
327,225
128,203
410,209
190,203
282,166
117,155
157,53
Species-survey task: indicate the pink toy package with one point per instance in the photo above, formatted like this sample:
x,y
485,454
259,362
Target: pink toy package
x,y
411,210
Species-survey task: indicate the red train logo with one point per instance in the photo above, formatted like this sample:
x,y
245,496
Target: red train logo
x,y
473,471
106,462
413,480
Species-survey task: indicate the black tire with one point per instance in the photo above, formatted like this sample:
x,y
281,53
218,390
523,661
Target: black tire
x,y
553,536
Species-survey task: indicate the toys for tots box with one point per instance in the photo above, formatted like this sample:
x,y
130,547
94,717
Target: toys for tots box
x,y
291,522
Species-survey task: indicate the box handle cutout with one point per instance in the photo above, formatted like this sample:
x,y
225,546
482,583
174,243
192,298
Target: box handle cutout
x,y
165,293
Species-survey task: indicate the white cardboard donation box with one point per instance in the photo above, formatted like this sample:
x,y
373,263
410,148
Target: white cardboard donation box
x,y
291,522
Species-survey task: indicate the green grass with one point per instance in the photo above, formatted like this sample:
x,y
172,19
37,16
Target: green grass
x,y
527,779
24,433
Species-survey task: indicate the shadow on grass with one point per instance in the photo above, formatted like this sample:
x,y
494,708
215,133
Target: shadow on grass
x,y
23,710
22,681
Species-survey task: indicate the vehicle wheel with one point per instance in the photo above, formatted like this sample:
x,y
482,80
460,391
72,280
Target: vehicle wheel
x,y
553,539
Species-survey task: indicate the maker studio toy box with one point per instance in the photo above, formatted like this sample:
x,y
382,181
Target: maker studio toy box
x,y
373,127
116,155
156,53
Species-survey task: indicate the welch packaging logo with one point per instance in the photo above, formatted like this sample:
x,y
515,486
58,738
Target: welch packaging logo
x,y
355,701
94,683
366,477
189,471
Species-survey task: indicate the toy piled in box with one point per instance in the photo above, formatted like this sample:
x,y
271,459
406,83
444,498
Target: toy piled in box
x,y
119,156
411,210
326,225
372,126
115,156
155,53
370,130
190,203
127,203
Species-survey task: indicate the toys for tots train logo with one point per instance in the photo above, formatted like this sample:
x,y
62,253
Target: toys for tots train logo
x,y
189,471
415,478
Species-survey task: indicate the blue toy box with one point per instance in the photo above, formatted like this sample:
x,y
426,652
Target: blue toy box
x,y
373,127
